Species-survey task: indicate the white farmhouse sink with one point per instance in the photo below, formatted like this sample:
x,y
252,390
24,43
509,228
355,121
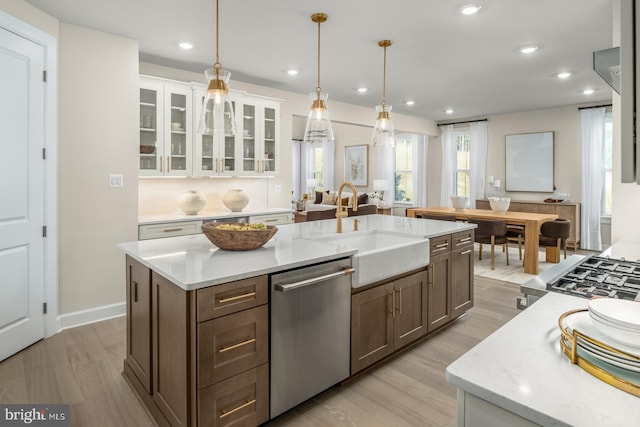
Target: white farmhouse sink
x,y
382,254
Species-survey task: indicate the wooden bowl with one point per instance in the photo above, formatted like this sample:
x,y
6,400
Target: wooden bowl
x,y
147,149
237,240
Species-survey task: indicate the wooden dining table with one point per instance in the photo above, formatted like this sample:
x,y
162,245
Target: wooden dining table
x,y
531,222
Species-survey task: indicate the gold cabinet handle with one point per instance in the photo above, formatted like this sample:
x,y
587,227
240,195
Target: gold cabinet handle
x,y
270,220
161,160
240,344
168,164
442,245
231,411
237,297
400,301
433,277
463,241
169,230
468,251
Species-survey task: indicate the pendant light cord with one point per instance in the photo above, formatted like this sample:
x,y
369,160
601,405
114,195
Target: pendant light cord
x,y
217,65
384,78
318,89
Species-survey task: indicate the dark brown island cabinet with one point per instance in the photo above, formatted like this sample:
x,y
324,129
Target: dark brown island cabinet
x,y
201,358
387,316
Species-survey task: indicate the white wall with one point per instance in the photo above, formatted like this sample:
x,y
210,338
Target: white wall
x,y
29,14
626,197
98,119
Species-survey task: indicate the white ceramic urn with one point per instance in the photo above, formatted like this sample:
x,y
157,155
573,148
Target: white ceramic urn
x,y
191,202
235,200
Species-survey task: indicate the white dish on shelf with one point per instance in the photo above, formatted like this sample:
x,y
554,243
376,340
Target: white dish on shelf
x,y
582,322
622,312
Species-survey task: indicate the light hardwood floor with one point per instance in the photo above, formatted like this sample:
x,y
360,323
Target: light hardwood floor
x,y
82,367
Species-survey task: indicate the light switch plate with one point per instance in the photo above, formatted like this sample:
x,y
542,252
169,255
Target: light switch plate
x,y
278,188
116,180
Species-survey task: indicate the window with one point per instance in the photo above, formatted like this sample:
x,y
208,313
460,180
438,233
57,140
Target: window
x,y
317,163
608,168
404,168
463,179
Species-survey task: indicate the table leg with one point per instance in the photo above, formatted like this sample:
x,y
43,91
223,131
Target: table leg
x,y
531,245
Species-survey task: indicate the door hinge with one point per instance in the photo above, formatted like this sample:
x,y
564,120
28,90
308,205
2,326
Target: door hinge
x,y
44,153
44,308
44,76
44,231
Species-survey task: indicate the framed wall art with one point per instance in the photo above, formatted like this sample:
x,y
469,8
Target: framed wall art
x,y
529,162
356,162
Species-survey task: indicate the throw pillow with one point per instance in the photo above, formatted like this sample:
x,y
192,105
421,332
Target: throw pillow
x,y
329,198
363,199
318,199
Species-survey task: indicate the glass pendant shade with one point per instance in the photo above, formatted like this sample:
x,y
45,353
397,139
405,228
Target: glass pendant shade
x,y
217,116
318,123
383,135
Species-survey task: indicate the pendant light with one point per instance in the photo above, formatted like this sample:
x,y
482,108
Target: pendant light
x,y
318,128
383,131
217,117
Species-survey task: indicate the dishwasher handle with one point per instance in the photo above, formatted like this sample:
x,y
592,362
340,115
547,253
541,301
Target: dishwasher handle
x,y
308,282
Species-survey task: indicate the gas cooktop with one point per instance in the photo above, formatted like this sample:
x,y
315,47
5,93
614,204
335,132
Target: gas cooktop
x,y
601,277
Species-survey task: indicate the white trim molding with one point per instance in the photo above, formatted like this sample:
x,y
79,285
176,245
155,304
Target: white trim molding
x,y
91,315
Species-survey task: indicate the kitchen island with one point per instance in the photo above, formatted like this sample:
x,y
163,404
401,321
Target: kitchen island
x,y
518,376
198,340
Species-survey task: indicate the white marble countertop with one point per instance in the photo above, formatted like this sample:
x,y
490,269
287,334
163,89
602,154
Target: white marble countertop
x,y
204,215
192,262
520,368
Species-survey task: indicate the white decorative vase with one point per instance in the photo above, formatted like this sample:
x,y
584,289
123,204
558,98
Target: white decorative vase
x,y
191,202
235,200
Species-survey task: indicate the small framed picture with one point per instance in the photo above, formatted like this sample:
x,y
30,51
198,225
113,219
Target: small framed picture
x,y
356,164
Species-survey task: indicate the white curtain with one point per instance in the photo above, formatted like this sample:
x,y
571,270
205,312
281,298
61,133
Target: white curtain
x,y
593,133
449,150
420,146
478,159
328,158
387,171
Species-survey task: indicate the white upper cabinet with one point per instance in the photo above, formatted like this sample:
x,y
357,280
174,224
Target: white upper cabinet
x,y
252,151
166,140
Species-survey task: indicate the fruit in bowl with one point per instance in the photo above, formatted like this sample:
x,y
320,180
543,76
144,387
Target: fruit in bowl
x,y
238,237
499,204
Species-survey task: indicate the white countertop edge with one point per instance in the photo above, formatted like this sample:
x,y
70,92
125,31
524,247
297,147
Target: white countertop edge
x,y
205,215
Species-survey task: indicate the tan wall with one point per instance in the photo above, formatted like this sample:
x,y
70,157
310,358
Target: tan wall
x,y
29,14
98,118
353,125
564,122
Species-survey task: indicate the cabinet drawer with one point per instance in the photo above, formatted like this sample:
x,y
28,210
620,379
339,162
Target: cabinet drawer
x,y
274,219
232,344
440,244
464,238
231,297
240,400
155,231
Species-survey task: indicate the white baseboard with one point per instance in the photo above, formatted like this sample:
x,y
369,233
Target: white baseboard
x,y
91,315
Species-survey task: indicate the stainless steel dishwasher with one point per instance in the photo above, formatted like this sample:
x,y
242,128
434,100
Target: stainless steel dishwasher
x,y
310,332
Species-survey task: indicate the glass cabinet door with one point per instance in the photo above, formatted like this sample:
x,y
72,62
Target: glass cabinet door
x,y
150,138
178,146
249,149
269,133
228,151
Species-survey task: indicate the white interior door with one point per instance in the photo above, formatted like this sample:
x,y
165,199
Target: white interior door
x,y
22,193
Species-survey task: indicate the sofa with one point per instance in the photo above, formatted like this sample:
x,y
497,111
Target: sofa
x,y
324,207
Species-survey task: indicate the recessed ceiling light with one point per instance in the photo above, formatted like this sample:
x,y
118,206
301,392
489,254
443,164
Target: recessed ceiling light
x,y
449,111
528,49
470,9
588,91
362,89
409,102
564,75
292,72
185,45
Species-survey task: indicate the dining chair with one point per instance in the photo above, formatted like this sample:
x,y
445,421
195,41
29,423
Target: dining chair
x,y
555,234
492,232
515,233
